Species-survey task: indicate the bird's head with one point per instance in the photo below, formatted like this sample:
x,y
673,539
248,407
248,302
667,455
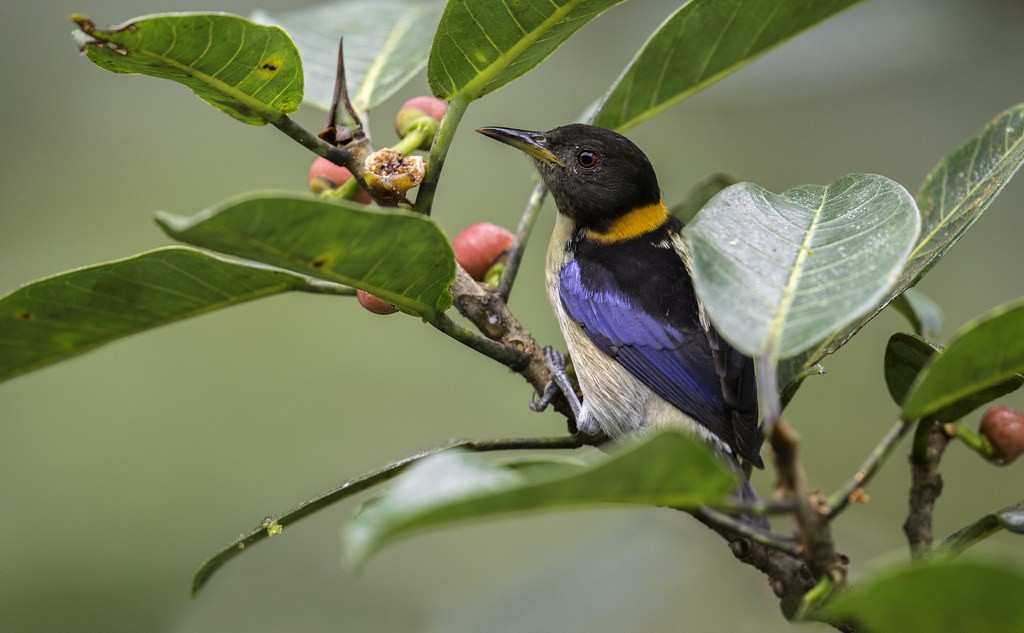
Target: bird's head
x,y
596,176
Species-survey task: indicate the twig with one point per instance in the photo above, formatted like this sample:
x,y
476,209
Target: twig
x,y
523,231
511,358
274,525
741,529
930,442
814,534
842,497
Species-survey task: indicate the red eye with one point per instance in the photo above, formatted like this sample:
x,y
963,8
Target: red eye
x,y
586,159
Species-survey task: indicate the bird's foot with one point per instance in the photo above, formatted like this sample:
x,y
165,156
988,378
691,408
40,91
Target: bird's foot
x,y
560,382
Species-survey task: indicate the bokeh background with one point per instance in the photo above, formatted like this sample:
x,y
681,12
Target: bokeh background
x,y
120,471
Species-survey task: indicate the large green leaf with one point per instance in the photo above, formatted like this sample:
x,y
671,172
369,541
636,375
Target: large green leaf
x,y
249,71
667,468
386,44
482,45
955,194
984,354
700,43
778,273
943,597
61,316
399,256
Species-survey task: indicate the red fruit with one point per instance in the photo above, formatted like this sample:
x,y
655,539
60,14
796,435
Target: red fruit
x,y
1004,428
373,304
324,175
420,112
480,246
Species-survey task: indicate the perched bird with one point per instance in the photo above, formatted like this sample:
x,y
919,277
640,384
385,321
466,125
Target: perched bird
x,y
618,279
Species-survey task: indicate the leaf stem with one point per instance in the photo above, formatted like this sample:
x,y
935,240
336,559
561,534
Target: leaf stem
x,y
273,525
438,151
523,231
317,145
768,392
842,497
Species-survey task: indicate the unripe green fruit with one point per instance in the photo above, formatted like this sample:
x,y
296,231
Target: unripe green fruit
x,y
1004,429
325,175
479,246
420,114
373,304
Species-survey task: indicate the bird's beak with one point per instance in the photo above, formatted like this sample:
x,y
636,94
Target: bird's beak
x,y
533,143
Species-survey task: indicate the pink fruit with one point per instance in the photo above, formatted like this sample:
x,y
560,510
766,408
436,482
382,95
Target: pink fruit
x,y
1004,428
325,175
480,246
373,304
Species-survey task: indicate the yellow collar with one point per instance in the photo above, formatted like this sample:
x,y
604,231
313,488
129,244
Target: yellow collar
x,y
634,223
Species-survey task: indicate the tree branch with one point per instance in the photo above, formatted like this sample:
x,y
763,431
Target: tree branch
x,y
814,534
489,312
930,442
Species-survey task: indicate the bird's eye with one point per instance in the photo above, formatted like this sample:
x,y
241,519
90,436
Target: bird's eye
x,y
586,159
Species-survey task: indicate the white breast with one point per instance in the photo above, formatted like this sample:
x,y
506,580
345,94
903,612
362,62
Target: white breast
x,y
614,401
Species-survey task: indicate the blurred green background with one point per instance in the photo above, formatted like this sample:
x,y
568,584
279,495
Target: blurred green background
x,y
123,469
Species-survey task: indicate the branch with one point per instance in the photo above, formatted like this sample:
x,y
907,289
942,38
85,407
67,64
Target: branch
x,y
739,529
930,442
849,491
814,534
274,525
515,256
489,312
511,358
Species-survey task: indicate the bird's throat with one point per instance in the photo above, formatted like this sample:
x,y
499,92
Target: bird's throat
x,y
634,223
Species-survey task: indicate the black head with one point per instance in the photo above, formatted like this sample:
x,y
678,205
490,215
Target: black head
x,y
595,175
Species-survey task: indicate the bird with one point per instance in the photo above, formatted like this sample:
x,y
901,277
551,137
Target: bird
x,y
619,281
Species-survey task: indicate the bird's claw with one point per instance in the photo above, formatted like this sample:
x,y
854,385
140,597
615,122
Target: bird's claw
x,y
540,404
559,383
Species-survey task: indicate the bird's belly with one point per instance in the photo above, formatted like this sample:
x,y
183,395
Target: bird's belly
x,y
614,401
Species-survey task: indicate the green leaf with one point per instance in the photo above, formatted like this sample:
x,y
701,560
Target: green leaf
x,y
1010,518
985,353
923,313
667,468
700,195
778,273
249,71
481,45
943,597
963,185
61,316
386,45
703,41
398,256
954,195
906,355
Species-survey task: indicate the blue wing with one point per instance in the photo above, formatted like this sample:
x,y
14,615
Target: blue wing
x,y
644,315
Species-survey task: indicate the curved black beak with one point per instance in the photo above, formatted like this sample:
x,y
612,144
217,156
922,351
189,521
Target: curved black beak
x,y
533,143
